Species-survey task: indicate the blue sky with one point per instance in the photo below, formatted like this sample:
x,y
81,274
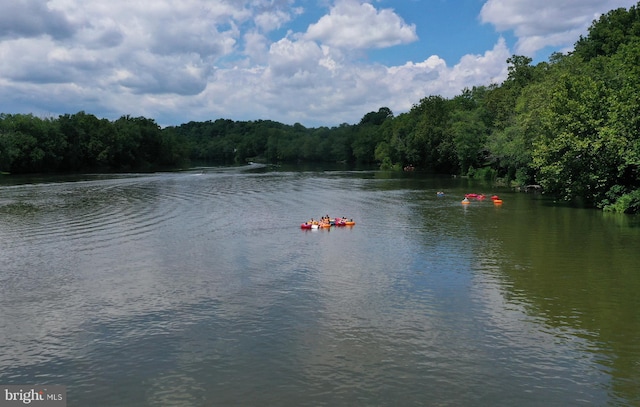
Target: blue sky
x,y
449,29
314,62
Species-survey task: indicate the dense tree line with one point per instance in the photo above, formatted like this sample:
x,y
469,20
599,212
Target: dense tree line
x,y
83,142
571,125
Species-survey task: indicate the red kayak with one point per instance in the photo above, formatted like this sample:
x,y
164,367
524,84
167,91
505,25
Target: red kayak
x,y
476,196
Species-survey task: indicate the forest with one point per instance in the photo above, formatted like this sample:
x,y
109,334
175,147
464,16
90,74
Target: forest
x,y
570,125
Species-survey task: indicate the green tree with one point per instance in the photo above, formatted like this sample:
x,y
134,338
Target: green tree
x,y
609,32
469,138
575,157
30,144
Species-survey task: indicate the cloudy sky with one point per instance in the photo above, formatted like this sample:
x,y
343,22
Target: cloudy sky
x,y
315,62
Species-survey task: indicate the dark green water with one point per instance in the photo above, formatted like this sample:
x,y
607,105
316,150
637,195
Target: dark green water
x,y
200,289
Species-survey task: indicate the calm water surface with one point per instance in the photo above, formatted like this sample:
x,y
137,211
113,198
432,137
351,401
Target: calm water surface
x,y
200,289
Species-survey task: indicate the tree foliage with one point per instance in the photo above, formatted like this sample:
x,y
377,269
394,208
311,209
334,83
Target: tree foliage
x,y
611,31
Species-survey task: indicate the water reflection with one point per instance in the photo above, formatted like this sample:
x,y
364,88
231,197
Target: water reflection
x,y
570,272
199,288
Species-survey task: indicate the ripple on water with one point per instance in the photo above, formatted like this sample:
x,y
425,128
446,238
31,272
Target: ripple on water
x,y
201,289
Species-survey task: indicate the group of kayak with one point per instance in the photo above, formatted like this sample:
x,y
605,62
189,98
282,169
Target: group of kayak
x,y
480,197
326,222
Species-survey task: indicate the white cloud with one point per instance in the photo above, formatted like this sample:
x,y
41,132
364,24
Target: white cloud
x,y
550,23
355,25
299,85
286,57
182,60
272,20
148,73
434,77
32,18
256,46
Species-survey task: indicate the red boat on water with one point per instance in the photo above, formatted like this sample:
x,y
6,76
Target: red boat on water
x,y
344,222
475,196
314,224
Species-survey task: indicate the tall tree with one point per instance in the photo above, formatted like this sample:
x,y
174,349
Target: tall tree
x,y
609,32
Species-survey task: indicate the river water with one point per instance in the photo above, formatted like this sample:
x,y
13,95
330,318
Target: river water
x,y
199,288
